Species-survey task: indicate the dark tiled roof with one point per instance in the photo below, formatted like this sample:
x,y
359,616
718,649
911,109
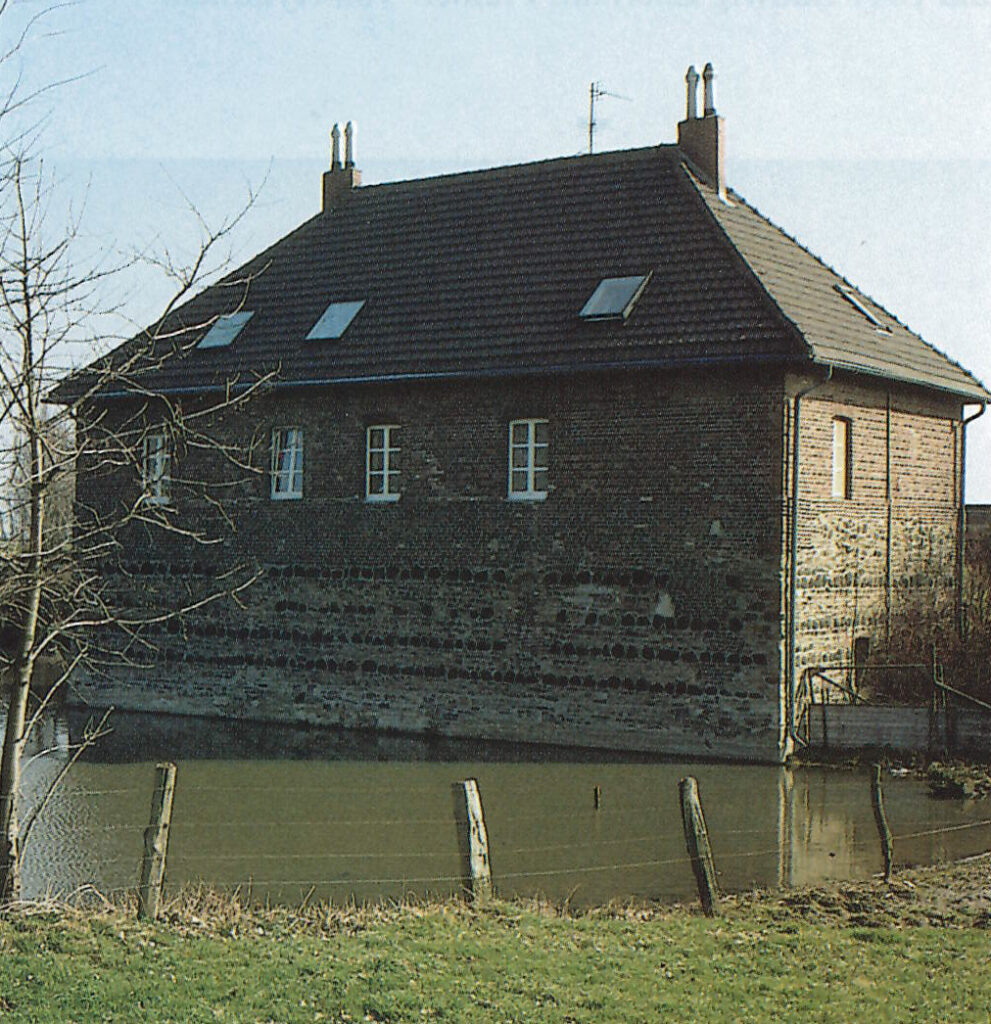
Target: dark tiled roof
x,y
806,292
486,272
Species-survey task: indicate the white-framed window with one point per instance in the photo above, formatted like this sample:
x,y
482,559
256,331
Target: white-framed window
x,y
287,463
528,442
382,463
156,468
842,458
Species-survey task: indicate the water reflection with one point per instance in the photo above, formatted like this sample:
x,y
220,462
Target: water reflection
x,y
280,811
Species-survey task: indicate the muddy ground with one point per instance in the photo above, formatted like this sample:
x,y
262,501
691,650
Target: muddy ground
x,y
956,895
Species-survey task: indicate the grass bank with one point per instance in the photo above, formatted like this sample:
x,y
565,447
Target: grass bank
x,y
912,951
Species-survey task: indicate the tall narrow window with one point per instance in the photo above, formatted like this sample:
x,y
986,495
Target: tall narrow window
x,y
841,458
528,442
156,468
287,463
382,463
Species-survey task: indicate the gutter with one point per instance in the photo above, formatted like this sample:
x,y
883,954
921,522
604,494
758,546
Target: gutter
x,y
790,654
498,372
962,515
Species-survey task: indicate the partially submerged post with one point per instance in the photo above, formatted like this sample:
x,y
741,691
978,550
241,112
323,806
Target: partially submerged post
x,y
697,841
880,819
473,839
156,843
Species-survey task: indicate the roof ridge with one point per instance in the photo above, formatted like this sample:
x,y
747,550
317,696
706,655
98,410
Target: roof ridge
x,y
752,275
526,165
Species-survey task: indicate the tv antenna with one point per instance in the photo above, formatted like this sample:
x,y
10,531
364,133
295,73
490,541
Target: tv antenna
x,y
595,92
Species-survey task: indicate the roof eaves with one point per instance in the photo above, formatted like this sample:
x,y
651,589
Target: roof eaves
x,y
978,394
684,362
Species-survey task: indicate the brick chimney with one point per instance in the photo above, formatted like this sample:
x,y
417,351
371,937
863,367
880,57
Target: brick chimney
x,y
339,180
702,139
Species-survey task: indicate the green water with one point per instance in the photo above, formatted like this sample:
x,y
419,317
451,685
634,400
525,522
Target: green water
x,y
285,813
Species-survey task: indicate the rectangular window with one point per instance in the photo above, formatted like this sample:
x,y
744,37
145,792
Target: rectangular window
x,y
528,442
382,463
841,458
287,463
156,468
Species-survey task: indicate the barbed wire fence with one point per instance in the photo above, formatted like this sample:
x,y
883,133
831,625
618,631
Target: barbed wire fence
x,y
210,850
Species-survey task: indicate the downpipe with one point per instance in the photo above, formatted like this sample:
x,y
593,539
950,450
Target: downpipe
x,y
962,516
791,654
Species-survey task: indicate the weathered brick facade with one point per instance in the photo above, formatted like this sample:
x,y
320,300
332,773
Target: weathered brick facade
x,y
643,605
890,550
638,606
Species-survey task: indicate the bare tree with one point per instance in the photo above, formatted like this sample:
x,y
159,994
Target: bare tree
x,y
54,608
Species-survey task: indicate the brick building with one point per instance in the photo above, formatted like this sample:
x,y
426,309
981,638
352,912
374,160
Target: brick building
x,y
580,451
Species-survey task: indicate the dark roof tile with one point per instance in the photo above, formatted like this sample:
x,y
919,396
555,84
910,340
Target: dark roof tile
x,y
486,272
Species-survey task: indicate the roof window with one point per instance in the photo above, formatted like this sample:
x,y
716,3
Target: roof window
x,y
335,321
854,301
225,329
614,298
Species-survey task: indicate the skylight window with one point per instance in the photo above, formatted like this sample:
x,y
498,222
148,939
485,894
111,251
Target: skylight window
x,y
861,308
335,321
614,298
225,329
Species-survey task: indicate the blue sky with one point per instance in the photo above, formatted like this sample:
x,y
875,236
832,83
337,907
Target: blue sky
x,y
864,129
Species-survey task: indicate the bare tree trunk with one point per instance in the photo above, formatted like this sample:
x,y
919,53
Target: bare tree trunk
x,y
14,734
10,782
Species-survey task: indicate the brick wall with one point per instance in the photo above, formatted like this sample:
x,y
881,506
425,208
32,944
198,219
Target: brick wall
x,y
638,606
888,551
642,605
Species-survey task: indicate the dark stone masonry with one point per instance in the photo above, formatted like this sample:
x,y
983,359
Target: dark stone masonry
x,y
640,606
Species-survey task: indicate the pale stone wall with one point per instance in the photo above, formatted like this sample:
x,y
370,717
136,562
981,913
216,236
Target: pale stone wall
x,y
869,563
848,727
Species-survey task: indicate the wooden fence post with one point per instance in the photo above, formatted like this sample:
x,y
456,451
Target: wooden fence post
x,y
884,833
156,843
697,841
475,841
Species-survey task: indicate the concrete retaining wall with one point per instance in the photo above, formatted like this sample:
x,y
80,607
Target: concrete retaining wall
x,y
841,727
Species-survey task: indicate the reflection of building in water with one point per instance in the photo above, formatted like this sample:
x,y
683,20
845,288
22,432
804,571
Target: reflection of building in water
x,y
786,783
45,754
825,828
49,739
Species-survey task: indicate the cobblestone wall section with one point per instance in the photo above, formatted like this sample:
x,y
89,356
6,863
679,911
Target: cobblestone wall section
x,y
637,607
888,552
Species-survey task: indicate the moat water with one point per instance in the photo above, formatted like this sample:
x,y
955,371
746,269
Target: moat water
x,y
286,814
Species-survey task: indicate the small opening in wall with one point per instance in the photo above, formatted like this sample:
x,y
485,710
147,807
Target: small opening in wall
x,y
842,458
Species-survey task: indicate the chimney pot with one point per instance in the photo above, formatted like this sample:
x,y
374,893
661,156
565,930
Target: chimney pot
x,y
335,148
708,103
692,82
348,145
